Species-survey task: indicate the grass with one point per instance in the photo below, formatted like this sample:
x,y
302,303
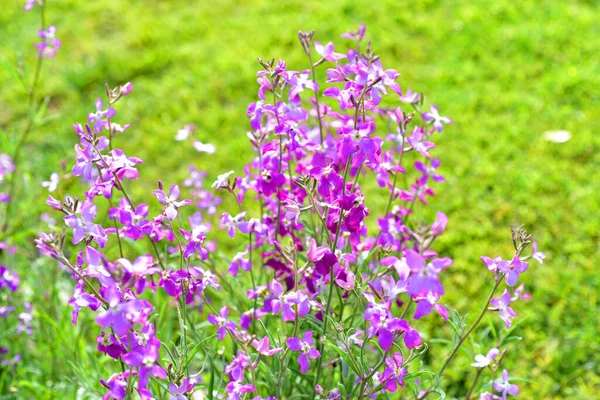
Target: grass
x,y
505,71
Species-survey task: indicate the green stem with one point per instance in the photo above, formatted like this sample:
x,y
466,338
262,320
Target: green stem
x,y
26,132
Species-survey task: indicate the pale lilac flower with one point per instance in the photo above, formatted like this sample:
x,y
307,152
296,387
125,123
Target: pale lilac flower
x,y
179,392
52,184
503,386
410,97
222,181
537,255
327,52
83,226
434,115
482,361
502,304
29,4
171,202
50,44
231,223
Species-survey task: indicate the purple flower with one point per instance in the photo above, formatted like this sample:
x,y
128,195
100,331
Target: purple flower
x,y
439,226
503,386
221,321
434,115
239,261
194,242
236,389
306,349
231,223
482,361
327,52
513,269
97,118
494,264
429,171
121,314
356,35
502,304
83,226
146,358
171,202
50,44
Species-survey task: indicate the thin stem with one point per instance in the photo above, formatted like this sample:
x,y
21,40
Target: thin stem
x,y
26,131
67,264
312,66
479,371
464,337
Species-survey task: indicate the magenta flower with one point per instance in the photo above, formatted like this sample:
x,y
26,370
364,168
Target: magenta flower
x,y
237,389
504,386
394,372
434,115
502,304
482,361
263,346
221,321
327,52
83,226
306,349
171,202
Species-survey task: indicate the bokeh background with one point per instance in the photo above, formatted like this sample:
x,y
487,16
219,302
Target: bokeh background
x,y
505,71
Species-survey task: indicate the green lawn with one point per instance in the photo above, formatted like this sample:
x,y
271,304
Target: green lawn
x,y
505,71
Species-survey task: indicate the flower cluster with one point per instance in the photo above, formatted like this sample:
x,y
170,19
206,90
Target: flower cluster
x,y
323,282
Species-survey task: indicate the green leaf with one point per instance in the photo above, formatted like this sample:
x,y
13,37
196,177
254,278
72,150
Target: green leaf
x,y
346,358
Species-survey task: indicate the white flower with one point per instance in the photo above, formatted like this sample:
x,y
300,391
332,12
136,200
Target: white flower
x,y
52,184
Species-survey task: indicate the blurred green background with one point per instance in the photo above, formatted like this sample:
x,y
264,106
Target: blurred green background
x,y
505,71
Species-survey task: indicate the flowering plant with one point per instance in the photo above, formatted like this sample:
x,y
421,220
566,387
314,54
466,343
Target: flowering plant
x,y
321,299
